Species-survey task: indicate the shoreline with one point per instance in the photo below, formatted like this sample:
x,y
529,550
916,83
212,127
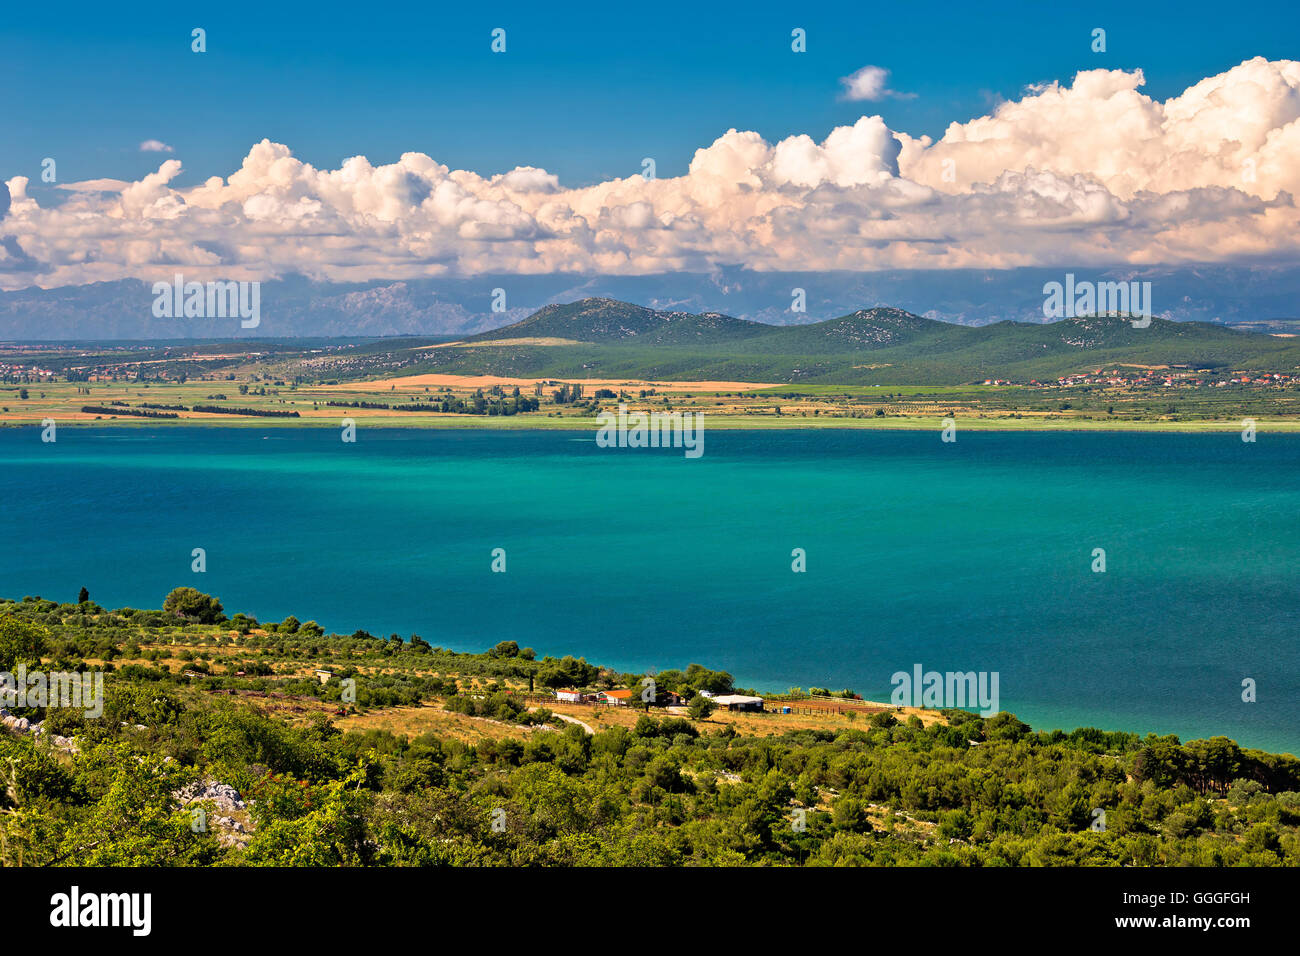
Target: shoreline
x,y
719,423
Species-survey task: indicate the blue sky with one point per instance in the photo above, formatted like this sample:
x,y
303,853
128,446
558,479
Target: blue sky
x,y
584,90
350,143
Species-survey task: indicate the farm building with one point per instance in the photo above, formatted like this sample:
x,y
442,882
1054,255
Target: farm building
x,y
567,695
738,702
621,697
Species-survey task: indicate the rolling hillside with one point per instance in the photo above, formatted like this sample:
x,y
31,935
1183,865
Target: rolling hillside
x,y
605,338
608,320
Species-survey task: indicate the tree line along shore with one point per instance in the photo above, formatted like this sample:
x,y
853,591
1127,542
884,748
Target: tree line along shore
x,y
468,403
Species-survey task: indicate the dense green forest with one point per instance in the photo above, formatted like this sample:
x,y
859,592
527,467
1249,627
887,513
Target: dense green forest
x,y
121,788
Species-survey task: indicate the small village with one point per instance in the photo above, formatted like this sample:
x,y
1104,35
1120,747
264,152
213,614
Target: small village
x,y
1167,377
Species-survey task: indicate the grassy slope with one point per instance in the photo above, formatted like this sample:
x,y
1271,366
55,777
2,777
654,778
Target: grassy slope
x,y
878,346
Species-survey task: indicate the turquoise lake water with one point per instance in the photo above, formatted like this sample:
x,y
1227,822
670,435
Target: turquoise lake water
x,y
970,556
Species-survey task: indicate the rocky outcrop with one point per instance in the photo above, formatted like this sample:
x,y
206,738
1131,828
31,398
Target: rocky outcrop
x,y
223,795
21,725
230,831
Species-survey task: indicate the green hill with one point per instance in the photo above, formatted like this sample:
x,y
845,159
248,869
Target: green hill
x,y
608,320
595,338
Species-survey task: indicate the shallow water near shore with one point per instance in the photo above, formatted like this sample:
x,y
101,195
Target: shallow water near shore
x,y
970,556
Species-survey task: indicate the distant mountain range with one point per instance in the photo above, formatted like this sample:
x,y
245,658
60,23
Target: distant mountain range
x,y
299,307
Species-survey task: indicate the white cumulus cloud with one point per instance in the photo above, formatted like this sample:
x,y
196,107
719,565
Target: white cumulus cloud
x,y
870,83
1089,172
